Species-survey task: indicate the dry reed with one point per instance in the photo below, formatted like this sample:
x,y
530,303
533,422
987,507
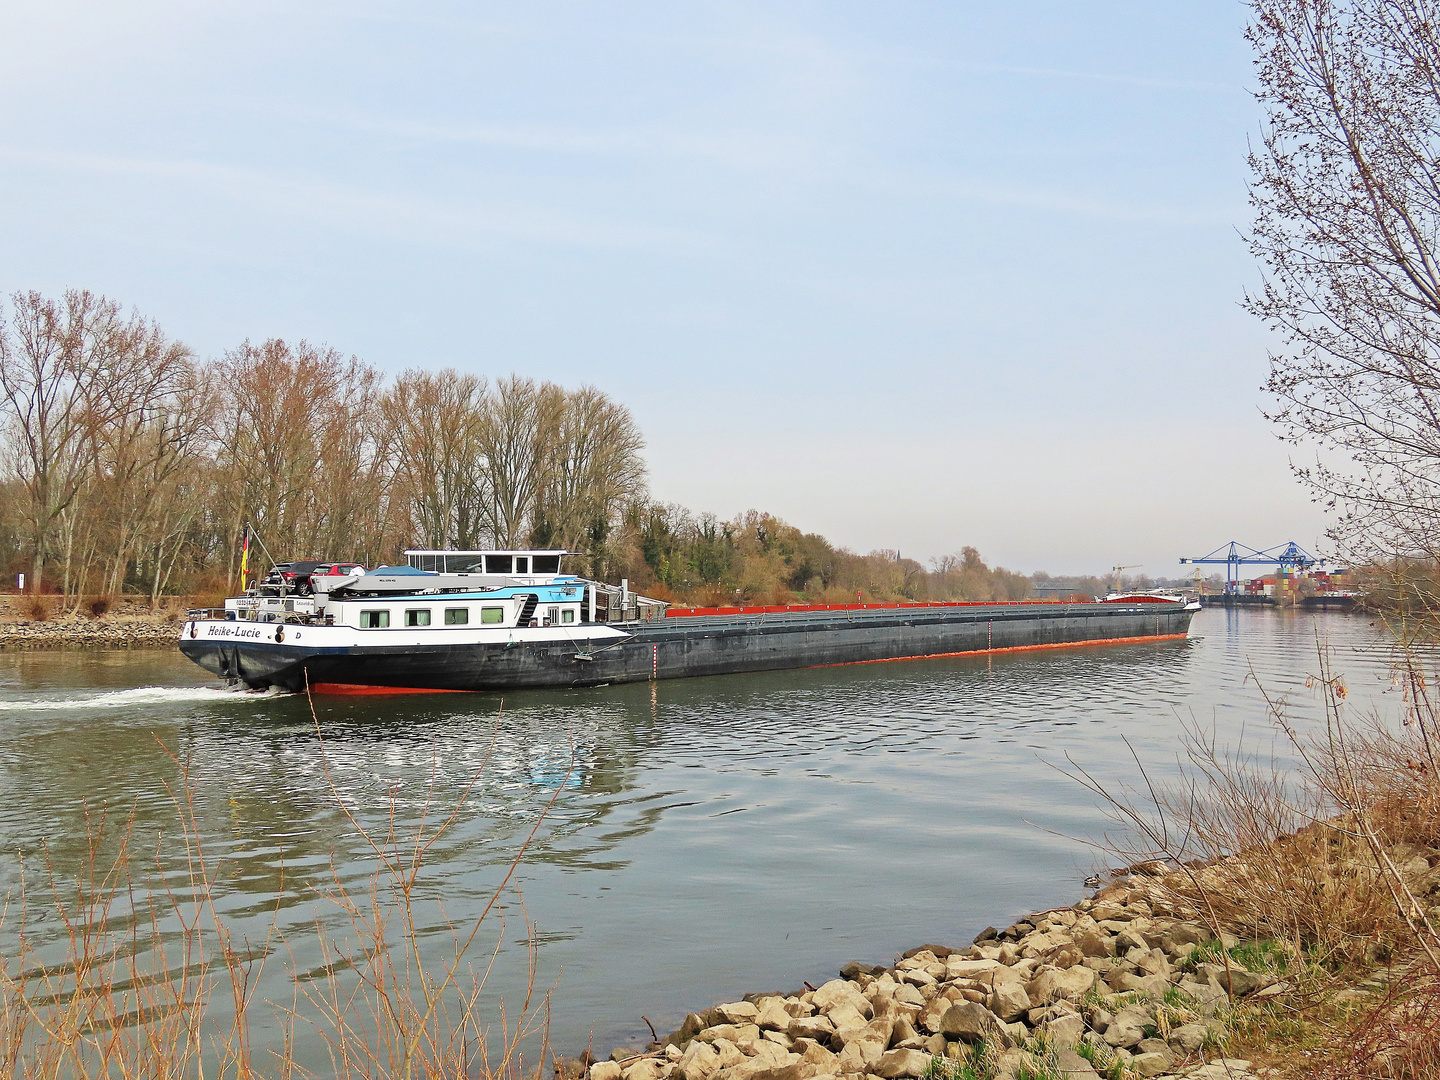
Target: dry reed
x,y
153,980
1331,857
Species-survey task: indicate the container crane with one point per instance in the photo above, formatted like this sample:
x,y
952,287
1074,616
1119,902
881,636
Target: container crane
x,y
1235,555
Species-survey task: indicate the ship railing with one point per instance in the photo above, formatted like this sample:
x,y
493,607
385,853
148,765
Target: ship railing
x,y
288,618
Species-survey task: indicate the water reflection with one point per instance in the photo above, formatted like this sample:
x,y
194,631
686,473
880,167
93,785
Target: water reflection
x,y
712,835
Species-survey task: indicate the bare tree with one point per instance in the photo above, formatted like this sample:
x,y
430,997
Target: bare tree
x,y
594,468
297,445
57,363
519,427
1347,202
435,420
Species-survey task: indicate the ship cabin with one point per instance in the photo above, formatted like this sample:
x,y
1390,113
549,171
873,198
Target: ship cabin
x,y
526,564
457,591
559,605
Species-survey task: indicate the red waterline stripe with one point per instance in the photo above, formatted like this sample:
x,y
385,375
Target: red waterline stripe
x,y
1014,648
360,688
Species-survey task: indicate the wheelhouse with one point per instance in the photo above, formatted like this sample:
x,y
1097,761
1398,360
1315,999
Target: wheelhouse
x,y
507,563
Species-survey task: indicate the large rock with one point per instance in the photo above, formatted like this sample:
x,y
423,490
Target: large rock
x,y
929,1017
846,1017
821,1058
1051,984
692,1026
1207,996
729,1032
966,1020
1127,1028
873,1040
1151,1064
896,1063
737,1013
1008,999
838,992
1241,982
906,994
772,1015
1154,963
700,1061
1147,986
819,1028
648,1068
1073,1066
1188,1038
1188,933
1063,1030
956,968
605,1070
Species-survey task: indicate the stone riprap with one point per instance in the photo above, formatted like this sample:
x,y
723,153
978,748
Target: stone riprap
x,y
117,632
1107,985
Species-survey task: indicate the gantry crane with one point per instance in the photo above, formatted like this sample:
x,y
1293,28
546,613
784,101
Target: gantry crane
x,y
1235,555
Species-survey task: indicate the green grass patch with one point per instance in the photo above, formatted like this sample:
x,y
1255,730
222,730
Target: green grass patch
x,y
1101,1058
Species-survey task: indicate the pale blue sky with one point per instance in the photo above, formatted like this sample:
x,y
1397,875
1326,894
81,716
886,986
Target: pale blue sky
x,y
910,275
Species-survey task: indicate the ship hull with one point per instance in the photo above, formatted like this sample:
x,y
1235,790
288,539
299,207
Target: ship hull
x,y
677,647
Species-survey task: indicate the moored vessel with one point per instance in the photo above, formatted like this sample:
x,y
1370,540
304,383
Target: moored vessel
x,y
501,620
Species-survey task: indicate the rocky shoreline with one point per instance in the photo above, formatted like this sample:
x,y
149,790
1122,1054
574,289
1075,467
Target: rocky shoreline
x,y
1119,985
118,632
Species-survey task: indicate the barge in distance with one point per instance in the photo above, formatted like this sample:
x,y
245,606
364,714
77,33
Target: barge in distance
x,y
503,620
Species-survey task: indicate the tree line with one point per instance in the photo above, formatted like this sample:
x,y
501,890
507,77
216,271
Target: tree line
x,y
130,465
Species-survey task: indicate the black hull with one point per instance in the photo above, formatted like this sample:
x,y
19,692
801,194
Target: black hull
x,y
678,648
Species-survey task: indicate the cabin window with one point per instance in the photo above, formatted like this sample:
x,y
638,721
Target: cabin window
x,y
546,564
457,616
492,614
499,564
522,564
568,615
374,620
417,617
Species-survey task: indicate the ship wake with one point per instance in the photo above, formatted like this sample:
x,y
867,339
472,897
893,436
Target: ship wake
x,y
140,695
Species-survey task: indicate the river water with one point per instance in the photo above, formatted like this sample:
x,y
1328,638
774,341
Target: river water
x,y
712,836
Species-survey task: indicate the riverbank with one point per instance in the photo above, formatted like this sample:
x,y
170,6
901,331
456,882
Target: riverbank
x,y
120,624
1127,983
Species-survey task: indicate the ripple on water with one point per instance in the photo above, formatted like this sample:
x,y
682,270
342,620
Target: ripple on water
x,y
709,837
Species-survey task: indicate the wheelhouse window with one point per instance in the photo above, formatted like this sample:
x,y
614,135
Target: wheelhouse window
x,y
499,564
457,616
464,564
492,614
417,617
374,620
522,564
546,564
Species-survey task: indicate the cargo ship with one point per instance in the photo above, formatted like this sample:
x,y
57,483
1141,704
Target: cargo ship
x,y
502,620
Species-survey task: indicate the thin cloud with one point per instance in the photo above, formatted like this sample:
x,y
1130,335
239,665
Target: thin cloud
x,y
405,217
1100,77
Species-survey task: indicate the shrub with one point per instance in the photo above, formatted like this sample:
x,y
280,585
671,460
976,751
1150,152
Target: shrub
x,y
99,606
38,609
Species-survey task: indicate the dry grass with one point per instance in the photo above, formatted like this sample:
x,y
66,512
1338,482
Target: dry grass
x,y
1332,859
149,978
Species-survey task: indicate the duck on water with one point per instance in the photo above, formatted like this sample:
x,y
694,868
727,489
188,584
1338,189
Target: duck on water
x,y
502,620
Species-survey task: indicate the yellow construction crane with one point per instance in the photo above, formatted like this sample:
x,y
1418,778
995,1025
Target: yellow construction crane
x,y
1116,571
